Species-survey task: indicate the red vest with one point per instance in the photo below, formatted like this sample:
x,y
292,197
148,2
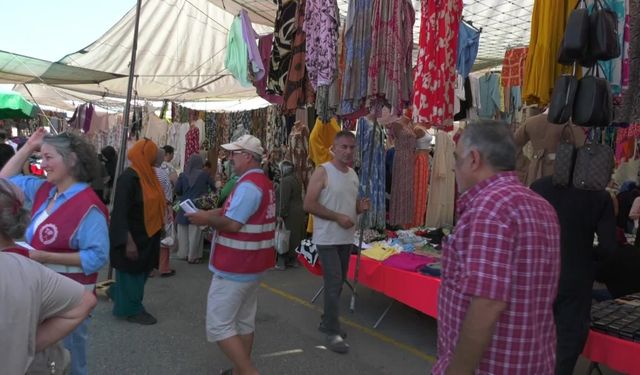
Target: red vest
x,y
55,233
251,250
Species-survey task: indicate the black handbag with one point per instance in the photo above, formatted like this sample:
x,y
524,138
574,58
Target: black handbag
x,y
593,103
565,159
603,33
562,98
575,42
594,166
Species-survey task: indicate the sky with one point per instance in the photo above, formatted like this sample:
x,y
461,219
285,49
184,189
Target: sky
x,y
51,29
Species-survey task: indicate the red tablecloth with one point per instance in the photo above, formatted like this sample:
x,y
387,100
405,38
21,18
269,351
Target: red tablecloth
x,y
421,292
620,355
411,288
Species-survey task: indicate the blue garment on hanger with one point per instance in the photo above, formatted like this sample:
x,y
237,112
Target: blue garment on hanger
x,y
376,215
468,43
489,95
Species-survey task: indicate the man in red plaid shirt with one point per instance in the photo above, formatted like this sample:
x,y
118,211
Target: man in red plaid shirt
x,y
500,266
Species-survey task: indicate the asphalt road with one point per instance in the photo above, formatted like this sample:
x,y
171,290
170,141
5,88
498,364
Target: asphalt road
x,y
287,341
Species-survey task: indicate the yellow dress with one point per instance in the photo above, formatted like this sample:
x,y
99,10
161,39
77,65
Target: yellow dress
x,y
548,23
320,142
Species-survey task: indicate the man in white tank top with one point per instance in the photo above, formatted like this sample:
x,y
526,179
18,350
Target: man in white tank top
x,y
332,198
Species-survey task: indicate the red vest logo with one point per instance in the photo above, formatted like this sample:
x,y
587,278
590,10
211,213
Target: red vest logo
x,y
48,234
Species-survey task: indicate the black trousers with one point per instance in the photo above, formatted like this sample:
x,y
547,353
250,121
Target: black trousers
x,y
572,313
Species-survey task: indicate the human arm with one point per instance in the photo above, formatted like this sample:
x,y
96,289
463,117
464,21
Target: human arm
x,y
312,206
476,334
363,205
64,304
58,327
15,164
244,203
634,213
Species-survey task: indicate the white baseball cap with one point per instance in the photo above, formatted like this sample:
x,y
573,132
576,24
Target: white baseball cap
x,y
246,142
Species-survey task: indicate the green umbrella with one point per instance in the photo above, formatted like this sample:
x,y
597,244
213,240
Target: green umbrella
x,y
14,106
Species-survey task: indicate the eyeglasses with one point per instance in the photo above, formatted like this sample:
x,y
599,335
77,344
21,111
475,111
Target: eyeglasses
x,y
236,152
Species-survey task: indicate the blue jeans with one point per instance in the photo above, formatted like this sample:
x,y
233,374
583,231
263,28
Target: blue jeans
x,y
335,264
76,344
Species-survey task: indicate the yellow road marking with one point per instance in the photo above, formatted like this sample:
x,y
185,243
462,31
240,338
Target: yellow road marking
x,y
368,331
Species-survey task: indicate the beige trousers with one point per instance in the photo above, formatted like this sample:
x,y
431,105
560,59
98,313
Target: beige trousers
x,y
190,242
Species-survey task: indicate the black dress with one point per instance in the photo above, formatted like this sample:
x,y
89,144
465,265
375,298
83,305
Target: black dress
x,y
128,216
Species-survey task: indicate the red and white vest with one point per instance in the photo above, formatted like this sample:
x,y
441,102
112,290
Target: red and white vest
x,y
251,250
55,232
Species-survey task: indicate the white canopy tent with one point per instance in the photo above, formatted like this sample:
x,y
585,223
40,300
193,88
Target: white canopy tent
x,y
182,46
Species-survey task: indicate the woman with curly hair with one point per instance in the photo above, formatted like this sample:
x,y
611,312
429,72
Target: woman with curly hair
x,y
68,226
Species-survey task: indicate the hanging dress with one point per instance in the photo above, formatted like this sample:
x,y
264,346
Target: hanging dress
x,y
283,33
298,91
435,73
421,177
402,199
371,145
443,183
390,73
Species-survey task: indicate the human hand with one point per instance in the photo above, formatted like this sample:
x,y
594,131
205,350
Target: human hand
x,y
131,251
363,205
199,217
344,221
35,141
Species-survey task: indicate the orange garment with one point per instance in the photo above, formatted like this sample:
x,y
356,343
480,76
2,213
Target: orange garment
x,y
513,66
420,187
142,156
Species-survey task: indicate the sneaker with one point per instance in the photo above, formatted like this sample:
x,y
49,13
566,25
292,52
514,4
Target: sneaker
x,y
143,318
335,343
321,328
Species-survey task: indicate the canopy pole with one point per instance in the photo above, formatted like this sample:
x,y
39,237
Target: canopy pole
x,y
40,109
122,154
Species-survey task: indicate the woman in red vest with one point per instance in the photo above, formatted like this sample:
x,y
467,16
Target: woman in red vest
x,y
68,226
136,224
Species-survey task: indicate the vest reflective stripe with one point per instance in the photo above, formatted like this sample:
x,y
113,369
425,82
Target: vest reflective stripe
x,y
89,287
254,228
245,245
61,268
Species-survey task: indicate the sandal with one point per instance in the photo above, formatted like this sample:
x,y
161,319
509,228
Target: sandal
x,y
228,371
195,261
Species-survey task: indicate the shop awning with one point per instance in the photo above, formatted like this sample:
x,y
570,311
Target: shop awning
x,y
16,68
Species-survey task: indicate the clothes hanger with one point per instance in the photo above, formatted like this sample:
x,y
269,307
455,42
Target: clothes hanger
x,y
470,24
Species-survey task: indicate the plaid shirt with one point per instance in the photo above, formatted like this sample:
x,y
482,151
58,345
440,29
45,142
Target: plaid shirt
x,y
505,247
513,66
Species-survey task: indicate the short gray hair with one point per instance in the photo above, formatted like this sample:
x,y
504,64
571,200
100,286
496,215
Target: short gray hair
x,y
78,155
494,141
14,218
286,167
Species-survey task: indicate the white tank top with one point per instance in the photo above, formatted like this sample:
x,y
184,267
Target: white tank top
x,y
339,195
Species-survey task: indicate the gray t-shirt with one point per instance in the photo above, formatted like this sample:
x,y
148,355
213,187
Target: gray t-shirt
x,y
29,294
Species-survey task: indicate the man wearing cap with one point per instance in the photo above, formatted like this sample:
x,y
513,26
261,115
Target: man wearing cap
x,y
242,250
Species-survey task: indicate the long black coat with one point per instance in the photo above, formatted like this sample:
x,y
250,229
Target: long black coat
x,y
128,216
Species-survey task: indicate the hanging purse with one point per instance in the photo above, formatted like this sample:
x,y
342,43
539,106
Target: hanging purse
x,y
564,93
576,35
565,159
594,166
604,42
593,103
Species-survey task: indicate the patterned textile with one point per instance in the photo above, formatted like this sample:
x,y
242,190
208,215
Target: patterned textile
x,y
435,74
298,154
390,72
298,90
420,187
443,183
631,106
366,139
264,45
513,66
357,45
505,247
192,143
276,131
284,30
401,207
321,26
